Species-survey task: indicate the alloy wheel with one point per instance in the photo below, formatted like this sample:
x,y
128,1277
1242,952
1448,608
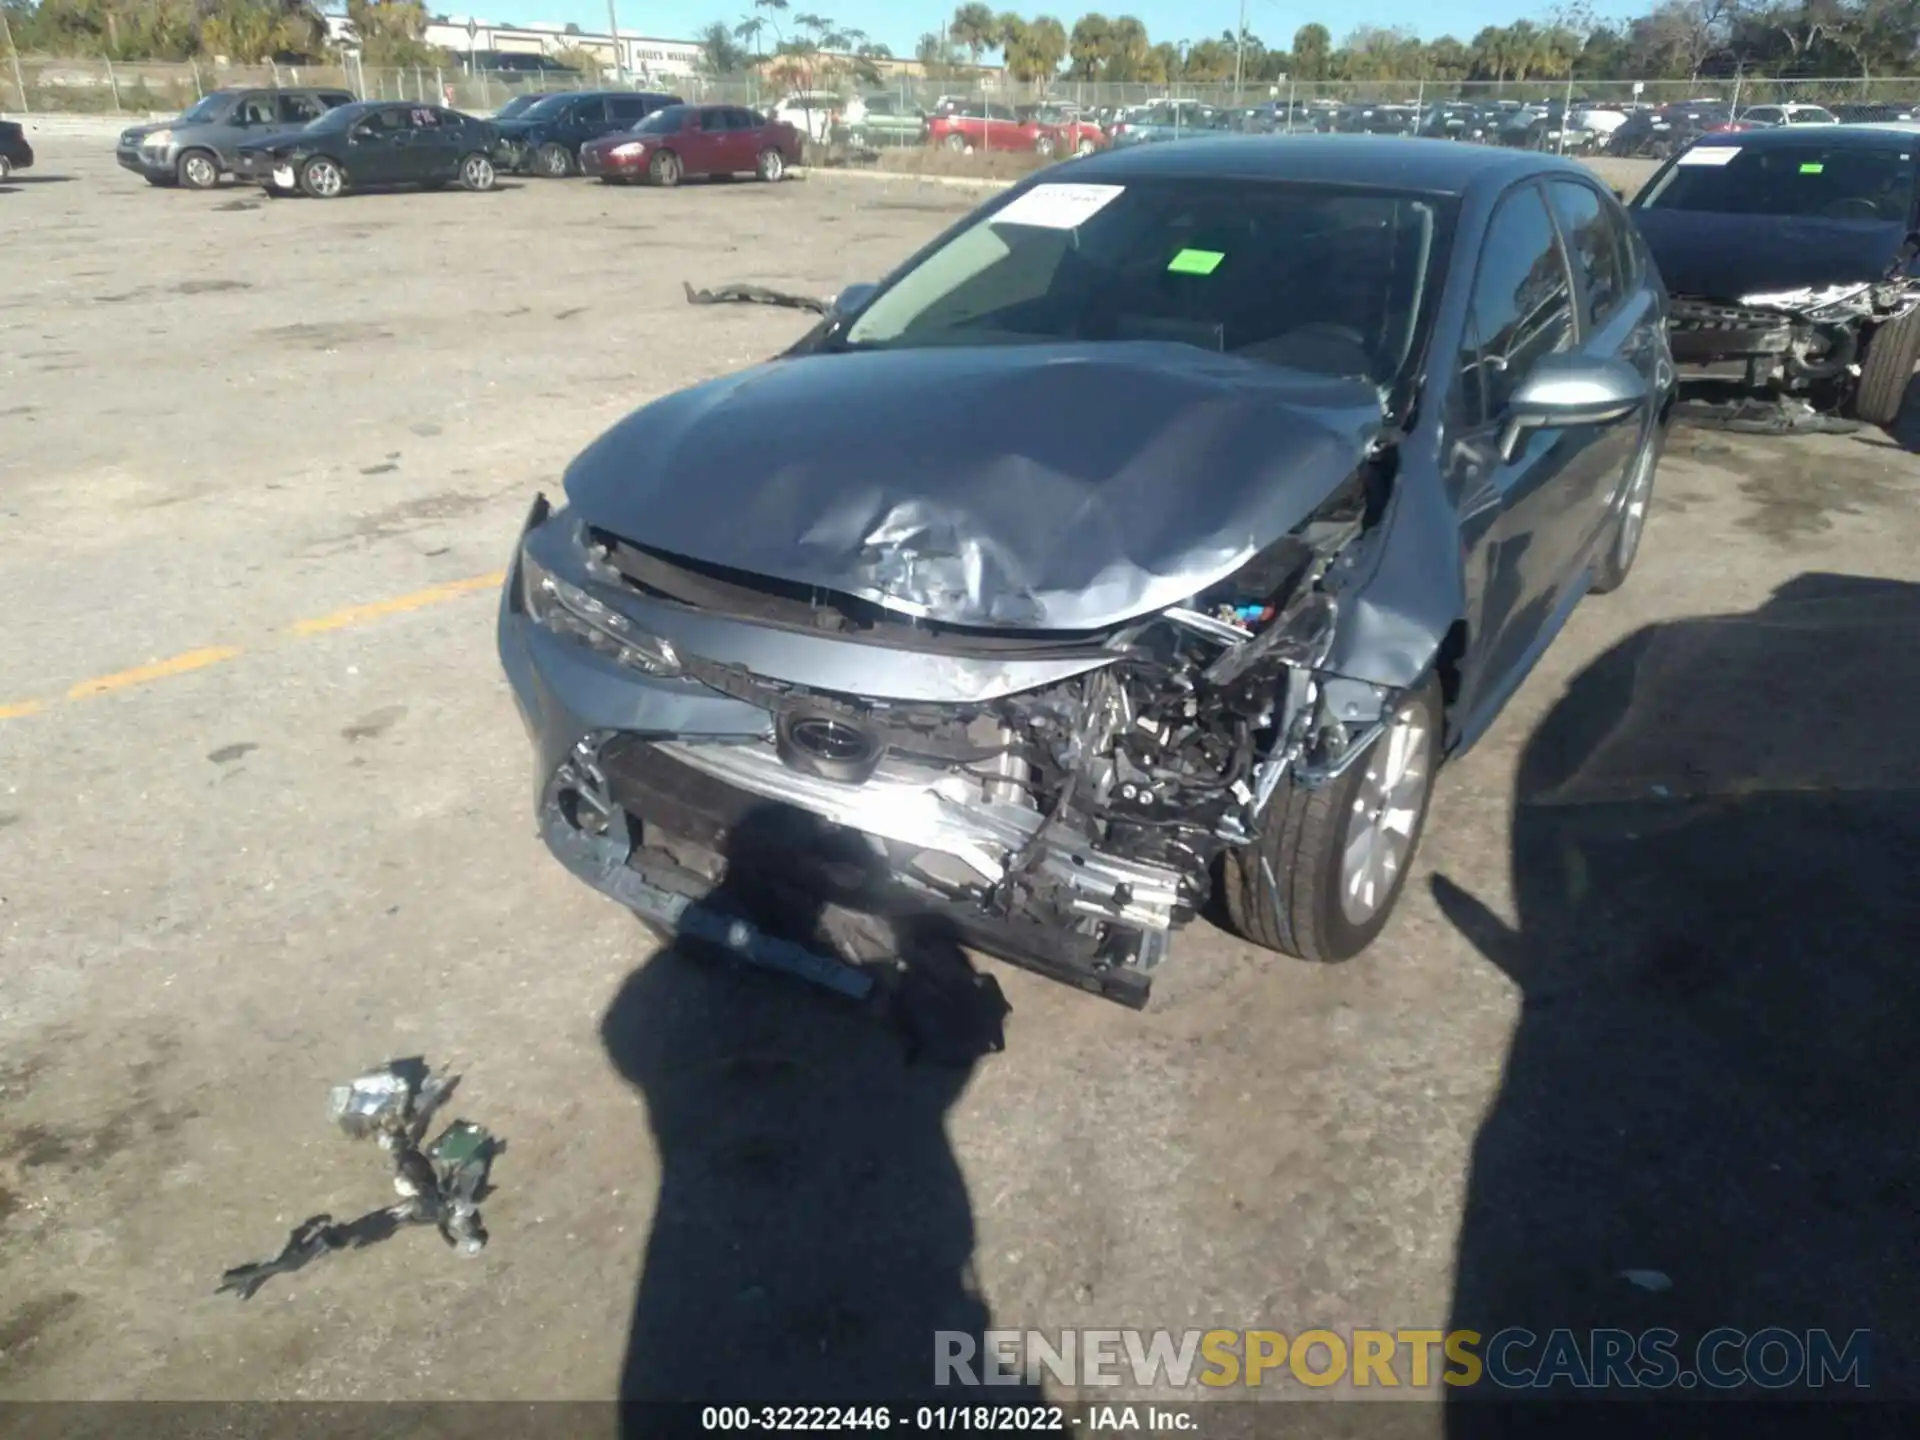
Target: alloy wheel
x,y
1633,513
324,179
1386,811
199,172
477,173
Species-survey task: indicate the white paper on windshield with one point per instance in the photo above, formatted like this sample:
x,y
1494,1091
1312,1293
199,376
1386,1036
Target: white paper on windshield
x,y
1058,207
1708,155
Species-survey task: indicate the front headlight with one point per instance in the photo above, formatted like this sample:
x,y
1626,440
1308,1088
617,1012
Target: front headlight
x,y
567,610
631,147
158,140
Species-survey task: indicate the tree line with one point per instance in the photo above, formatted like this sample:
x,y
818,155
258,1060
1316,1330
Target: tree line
x,y
1677,40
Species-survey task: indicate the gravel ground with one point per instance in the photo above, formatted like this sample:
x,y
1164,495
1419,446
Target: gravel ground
x,y
263,822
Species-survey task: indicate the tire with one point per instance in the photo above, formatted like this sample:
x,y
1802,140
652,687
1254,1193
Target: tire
x,y
197,170
956,143
322,178
1085,147
1043,146
664,169
1284,890
477,172
553,161
771,166
1892,352
6,168
1610,571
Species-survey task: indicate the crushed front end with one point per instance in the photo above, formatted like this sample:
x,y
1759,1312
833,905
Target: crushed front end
x,y
1792,357
715,747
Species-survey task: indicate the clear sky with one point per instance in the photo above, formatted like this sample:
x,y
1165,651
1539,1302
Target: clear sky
x,y
900,25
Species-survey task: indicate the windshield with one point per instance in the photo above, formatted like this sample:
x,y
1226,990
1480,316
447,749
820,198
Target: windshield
x,y
518,105
1317,277
662,122
205,108
545,107
1806,181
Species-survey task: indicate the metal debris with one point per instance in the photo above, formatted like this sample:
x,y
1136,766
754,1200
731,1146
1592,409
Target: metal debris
x,y
1763,415
755,295
441,1184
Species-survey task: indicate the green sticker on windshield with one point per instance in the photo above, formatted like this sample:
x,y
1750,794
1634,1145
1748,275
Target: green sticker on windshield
x,y
1196,262
1812,167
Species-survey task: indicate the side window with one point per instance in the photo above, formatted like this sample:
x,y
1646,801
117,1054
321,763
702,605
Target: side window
x,y
738,119
334,99
590,111
254,110
627,108
299,109
1522,306
711,120
1594,243
757,120
423,118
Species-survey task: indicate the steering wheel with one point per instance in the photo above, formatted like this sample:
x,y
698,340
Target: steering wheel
x,y
1853,207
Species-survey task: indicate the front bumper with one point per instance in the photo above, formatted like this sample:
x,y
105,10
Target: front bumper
x,y
154,164
1766,348
596,162
670,798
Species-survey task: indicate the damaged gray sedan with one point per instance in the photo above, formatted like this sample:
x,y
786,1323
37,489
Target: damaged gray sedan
x,y
1145,534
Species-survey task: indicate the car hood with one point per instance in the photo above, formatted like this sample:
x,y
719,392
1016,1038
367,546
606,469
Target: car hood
x,y
517,128
1723,257
134,134
1066,487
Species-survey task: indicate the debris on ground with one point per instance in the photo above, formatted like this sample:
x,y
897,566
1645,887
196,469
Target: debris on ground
x,y
442,1183
755,295
1761,415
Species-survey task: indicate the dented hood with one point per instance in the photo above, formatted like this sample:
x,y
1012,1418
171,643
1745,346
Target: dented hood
x,y
1061,487
1722,257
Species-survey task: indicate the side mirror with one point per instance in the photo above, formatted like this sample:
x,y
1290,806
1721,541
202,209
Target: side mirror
x,y
852,300
1563,390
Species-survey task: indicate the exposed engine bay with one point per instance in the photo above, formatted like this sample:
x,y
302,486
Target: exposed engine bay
x,y
1069,827
1787,360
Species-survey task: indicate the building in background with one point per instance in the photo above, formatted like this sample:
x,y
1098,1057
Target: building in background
x,y
642,57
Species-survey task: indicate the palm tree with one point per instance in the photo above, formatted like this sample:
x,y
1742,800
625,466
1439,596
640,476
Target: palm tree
x,y
975,28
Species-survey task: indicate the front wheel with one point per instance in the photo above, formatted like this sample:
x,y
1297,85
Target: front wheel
x,y
956,143
197,170
1320,879
664,169
772,166
1085,147
1611,570
476,172
553,161
1043,147
322,178
1892,351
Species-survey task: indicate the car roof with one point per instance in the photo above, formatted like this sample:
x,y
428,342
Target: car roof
x,y
1844,137
1423,166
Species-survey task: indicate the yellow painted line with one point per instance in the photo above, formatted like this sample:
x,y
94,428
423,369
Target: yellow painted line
x,y
218,654
159,670
419,599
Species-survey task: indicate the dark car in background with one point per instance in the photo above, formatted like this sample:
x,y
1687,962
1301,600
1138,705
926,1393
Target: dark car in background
x,y
684,141
1454,120
1370,118
515,64
1165,527
198,146
1790,256
15,152
373,145
546,137
1660,132
1875,112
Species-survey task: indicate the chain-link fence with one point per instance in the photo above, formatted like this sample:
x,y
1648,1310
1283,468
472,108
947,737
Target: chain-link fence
x,y
96,86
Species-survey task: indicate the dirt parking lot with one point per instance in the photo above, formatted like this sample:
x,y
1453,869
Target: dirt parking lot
x,y
264,821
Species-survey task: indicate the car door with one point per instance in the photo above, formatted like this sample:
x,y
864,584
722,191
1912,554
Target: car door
x,y
428,154
705,145
1619,319
376,146
250,117
1521,308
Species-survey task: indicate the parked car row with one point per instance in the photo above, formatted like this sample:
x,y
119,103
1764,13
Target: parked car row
x,y
322,142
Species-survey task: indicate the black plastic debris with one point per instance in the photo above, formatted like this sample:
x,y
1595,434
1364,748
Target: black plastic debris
x,y
442,1183
1762,415
755,295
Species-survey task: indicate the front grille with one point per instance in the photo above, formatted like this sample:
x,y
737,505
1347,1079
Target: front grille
x,y
1692,313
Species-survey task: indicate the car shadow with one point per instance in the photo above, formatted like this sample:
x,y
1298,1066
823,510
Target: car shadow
x,y
18,179
812,1231
1708,1115
1905,430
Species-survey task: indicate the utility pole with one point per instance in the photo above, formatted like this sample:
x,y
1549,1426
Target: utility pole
x,y
19,80
619,55
1239,51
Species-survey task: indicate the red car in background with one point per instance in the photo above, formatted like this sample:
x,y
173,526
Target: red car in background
x,y
977,125
1068,131
684,140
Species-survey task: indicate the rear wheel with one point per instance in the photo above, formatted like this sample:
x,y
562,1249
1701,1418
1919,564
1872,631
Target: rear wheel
x,y
1321,878
772,166
1611,570
1043,145
956,142
1892,352
322,178
553,161
197,170
664,169
6,168
476,172
1085,147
